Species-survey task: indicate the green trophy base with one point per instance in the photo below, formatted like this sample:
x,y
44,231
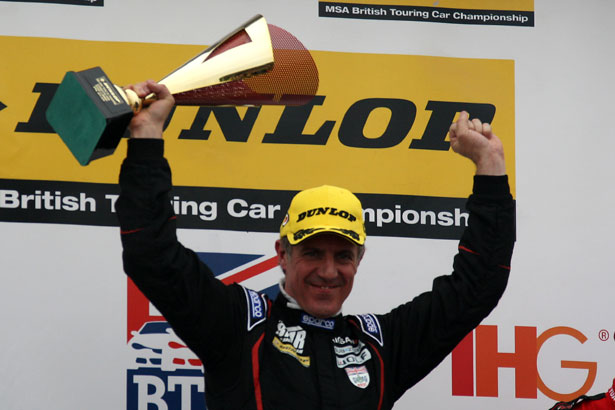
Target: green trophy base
x,y
89,114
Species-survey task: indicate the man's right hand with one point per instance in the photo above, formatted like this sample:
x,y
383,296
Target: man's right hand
x,y
148,123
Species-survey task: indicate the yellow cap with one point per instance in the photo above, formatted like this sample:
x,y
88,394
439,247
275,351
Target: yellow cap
x,y
324,209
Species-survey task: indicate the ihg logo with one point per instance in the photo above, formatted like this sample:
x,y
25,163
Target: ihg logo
x,y
477,358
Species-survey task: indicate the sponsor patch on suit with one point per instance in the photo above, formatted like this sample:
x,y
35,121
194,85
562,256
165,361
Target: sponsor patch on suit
x,y
359,376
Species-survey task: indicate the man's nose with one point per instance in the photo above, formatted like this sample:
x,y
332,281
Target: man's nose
x,y
328,270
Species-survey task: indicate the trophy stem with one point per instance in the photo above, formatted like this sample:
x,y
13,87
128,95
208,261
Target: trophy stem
x,y
131,98
150,98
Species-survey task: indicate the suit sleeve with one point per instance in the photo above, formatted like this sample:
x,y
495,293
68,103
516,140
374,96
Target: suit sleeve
x,y
202,310
421,333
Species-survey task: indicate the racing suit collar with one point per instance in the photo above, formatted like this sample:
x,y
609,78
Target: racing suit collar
x,y
290,301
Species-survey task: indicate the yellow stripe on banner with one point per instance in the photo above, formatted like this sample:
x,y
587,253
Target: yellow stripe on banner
x,y
511,5
350,83
28,61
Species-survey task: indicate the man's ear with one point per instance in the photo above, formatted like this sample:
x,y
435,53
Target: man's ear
x,y
281,252
361,255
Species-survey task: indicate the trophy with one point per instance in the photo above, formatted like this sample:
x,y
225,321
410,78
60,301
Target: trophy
x,y
256,64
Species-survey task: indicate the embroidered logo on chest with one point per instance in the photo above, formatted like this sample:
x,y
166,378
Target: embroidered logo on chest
x,y
291,341
359,376
351,354
328,324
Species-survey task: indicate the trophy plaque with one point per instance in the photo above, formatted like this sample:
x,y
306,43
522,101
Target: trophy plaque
x,y
256,64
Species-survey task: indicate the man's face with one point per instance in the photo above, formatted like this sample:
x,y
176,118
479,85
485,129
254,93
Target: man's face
x,y
320,272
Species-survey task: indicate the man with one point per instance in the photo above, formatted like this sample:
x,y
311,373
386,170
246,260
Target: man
x,y
299,351
601,401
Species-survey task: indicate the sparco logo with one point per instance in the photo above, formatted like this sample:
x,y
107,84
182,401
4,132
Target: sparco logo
x,y
256,304
371,325
313,321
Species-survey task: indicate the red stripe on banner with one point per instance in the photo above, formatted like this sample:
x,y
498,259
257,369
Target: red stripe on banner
x,y
255,373
138,309
264,266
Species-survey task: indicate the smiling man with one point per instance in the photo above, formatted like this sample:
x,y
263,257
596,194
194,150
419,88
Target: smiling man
x,y
320,248
299,351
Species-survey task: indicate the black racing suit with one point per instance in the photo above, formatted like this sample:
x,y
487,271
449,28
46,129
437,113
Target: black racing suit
x,y
260,354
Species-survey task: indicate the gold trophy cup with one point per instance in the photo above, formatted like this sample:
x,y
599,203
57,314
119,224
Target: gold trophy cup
x,y
256,64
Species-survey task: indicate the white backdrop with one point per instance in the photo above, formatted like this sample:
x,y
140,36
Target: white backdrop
x,y
63,293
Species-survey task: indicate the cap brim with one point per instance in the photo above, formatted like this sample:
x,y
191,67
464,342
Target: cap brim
x,y
300,236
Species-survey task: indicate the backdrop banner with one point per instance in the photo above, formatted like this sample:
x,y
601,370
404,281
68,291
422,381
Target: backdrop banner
x,y
392,79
